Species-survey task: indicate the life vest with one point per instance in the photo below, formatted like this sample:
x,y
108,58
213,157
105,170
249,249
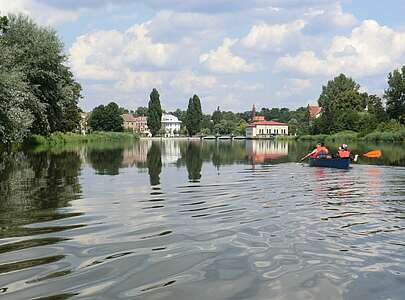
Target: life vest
x,y
323,152
344,153
315,152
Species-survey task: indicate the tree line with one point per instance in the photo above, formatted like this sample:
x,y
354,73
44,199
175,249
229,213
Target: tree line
x,y
38,92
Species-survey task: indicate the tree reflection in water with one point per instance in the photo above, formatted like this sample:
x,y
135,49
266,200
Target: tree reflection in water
x,y
106,161
154,163
194,161
33,186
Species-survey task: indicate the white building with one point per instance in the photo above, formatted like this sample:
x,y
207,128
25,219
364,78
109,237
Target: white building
x,y
171,125
266,129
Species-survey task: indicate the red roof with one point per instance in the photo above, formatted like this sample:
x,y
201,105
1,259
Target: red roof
x,y
268,123
314,111
129,118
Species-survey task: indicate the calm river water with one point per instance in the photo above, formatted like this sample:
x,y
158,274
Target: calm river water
x,y
200,220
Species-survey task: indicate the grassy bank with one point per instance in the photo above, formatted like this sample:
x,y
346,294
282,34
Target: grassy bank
x,y
74,138
349,136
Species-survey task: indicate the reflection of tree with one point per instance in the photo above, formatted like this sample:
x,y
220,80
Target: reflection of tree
x,y
194,161
106,161
154,162
32,185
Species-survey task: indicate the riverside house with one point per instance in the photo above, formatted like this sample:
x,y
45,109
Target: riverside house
x,y
266,129
136,124
171,125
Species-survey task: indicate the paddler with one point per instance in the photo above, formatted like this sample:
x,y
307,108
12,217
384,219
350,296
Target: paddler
x,y
323,151
343,151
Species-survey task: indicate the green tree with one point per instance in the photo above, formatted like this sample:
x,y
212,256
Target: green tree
x,y
376,108
106,118
194,116
38,54
141,111
154,113
3,24
339,98
395,95
216,116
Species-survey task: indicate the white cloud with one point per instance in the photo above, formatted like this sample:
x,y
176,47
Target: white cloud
x,y
330,17
371,49
104,54
305,63
294,86
273,37
222,60
139,81
188,82
44,14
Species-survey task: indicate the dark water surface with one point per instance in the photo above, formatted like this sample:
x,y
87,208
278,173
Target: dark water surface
x,y
191,220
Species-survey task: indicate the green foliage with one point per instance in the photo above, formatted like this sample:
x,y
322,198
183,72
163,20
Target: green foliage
x,y
391,125
59,138
106,118
38,54
216,116
395,95
340,100
376,108
154,113
194,116
141,111
389,136
3,24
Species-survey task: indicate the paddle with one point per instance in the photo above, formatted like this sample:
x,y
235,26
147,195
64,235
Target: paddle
x,y
373,154
306,156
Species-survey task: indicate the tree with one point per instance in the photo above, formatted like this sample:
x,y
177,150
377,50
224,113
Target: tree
x,y
141,111
194,116
154,113
3,24
106,118
216,116
339,98
395,95
38,54
376,108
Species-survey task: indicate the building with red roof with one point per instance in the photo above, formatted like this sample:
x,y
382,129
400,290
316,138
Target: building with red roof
x,y
266,129
314,111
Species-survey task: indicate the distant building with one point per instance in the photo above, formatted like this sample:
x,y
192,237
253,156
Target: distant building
x,y
171,125
254,117
314,111
266,129
84,128
136,124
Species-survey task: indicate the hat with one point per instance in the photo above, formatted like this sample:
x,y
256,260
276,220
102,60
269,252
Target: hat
x,y
344,146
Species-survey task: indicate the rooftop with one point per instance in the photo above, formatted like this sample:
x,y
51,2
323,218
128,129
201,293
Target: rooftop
x,y
268,123
314,110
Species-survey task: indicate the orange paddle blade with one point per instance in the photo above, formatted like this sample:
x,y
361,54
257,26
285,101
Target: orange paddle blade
x,y
373,154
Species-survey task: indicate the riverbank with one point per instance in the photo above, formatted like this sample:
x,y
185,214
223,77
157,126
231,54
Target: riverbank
x,y
59,138
377,136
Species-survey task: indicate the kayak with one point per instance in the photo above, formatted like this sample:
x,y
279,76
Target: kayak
x,y
338,163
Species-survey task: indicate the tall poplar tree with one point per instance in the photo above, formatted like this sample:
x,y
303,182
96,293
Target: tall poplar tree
x,y
154,113
194,115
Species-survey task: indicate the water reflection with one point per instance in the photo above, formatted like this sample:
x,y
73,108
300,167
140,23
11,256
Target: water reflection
x,y
154,163
125,222
194,161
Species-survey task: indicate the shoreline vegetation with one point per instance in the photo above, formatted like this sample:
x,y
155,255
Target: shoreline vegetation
x,y
59,138
349,136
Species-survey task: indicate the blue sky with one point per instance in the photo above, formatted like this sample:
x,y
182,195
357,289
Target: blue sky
x,y
232,53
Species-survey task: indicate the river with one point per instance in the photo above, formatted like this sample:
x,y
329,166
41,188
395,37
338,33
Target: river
x,y
200,220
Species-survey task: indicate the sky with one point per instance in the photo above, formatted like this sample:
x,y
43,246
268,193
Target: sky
x,y
231,53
